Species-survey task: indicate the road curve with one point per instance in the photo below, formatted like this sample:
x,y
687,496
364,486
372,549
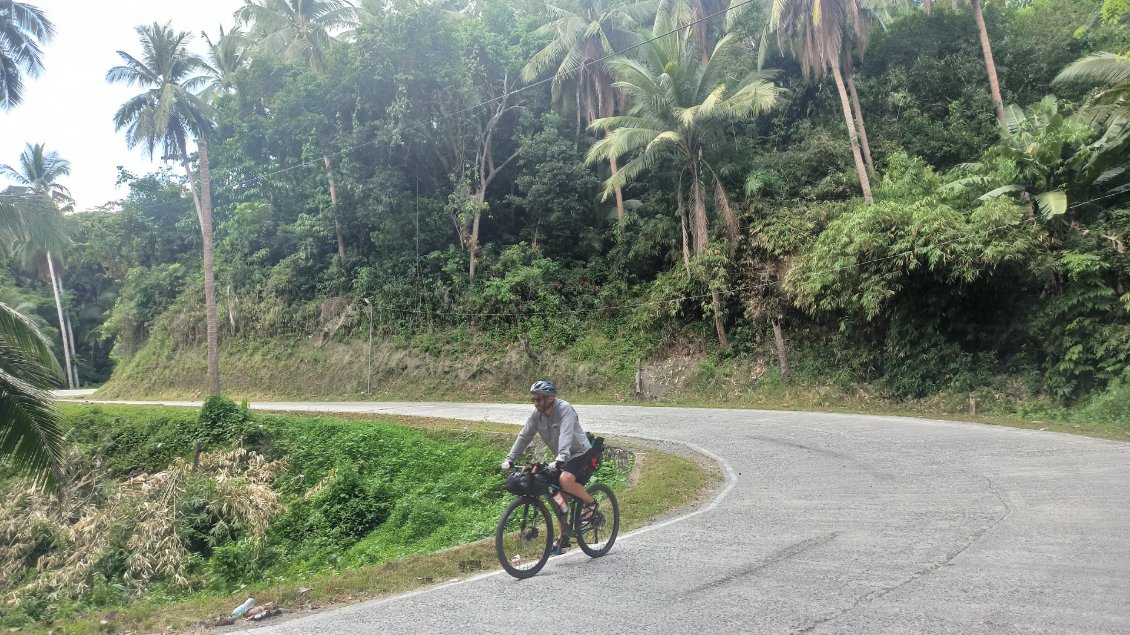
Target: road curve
x,y
827,523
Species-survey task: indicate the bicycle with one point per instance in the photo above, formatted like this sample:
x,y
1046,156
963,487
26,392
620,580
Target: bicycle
x,y
524,538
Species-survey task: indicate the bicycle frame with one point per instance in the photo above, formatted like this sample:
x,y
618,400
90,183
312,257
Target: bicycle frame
x,y
566,520
517,534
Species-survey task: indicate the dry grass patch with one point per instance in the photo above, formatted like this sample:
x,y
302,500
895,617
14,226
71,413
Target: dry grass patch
x,y
662,483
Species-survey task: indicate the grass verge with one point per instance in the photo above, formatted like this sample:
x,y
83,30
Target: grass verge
x,y
665,479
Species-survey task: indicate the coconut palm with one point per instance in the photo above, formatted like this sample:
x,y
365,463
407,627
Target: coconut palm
x,y
30,433
815,31
226,55
39,171
584,32
165,116
298,30
1109,109
707,16
856,43
681,108
31,436
986,51
23,28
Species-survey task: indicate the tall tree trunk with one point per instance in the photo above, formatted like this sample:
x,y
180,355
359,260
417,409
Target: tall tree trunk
x,y
782,354
990,65
203,202
717,302
333,204
683,222
700,232
860,169
74,351
209,268
608,107
62,321
701,235
619,194
859,118
473,246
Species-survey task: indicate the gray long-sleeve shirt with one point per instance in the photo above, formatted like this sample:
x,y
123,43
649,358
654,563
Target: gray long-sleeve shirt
x,y
560,430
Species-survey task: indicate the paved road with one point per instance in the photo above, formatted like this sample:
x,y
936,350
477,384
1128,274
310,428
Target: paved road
x,y
827,523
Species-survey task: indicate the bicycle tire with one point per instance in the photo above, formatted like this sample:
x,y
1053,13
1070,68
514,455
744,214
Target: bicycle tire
x,y
589,537
513,536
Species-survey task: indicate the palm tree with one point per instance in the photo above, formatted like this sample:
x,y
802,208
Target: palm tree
x,y
681,107
30,433
39,171
816,31
298,30
1109,109
856,45
705,15
23,28
226,56
166,114
583,32
986,51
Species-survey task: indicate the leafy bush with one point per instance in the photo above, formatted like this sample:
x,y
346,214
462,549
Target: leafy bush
x,y
220,422
1110,406
340,512
146,440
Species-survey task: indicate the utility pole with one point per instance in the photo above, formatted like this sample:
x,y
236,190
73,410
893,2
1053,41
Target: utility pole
x,y
369,373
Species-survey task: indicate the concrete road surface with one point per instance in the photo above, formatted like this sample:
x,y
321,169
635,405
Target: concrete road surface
x,y
827,523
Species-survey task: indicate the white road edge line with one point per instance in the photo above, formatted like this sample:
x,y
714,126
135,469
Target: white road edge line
x,y
730,478
731,481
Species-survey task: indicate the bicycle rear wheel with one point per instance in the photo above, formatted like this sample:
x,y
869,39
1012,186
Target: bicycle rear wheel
x,y
596,535
523,537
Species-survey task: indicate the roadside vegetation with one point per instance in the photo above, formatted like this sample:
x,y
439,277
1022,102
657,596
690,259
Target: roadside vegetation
x,y
899,207
172,516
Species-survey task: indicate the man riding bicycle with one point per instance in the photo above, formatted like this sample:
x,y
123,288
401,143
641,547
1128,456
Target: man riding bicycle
x,y
556,422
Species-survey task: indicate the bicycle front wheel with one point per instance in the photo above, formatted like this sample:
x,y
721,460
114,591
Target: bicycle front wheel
x,y
523,537
595,535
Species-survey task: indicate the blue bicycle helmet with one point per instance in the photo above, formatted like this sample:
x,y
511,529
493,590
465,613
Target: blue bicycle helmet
x,y
543,387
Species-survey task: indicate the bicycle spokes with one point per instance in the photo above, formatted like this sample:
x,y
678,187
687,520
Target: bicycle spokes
x,y
597,528
522,538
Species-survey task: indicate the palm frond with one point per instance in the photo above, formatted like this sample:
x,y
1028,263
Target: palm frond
x,y
30,431
1099,68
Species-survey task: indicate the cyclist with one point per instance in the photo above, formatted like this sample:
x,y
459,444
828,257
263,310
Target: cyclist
x,y
556,422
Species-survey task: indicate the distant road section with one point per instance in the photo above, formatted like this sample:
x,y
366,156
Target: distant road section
x,y
72,394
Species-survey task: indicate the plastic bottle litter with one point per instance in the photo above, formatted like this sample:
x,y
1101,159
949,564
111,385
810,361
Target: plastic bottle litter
x,y
516,559
243,608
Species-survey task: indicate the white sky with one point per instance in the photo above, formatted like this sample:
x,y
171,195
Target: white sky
x,y
70,107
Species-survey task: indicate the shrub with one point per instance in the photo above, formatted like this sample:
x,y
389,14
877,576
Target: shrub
x,y
220,422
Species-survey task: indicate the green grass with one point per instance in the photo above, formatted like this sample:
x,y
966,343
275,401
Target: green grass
x,y
413,456
595,369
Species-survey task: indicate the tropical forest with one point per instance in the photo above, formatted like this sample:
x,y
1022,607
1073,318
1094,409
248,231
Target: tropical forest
x,y
894,206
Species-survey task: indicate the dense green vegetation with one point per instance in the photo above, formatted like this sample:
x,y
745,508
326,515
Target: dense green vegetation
x,y
450,173
178,503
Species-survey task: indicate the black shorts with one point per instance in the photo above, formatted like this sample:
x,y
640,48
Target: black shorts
x,y
583,466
